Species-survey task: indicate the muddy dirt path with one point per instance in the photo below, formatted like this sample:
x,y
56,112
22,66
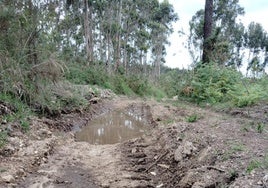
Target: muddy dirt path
x,y
215,150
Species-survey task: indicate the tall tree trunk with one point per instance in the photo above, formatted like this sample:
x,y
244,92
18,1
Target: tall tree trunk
x,y
109,62
118,35
159,51
32,36
91,43
207,46
87,33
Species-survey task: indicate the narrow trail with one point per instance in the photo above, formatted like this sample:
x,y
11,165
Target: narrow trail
x,y
215,151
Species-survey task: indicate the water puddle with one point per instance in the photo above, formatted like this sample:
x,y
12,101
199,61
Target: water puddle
x,y
115,127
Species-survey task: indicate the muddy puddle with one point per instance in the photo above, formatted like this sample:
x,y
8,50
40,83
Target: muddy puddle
x,y
115,127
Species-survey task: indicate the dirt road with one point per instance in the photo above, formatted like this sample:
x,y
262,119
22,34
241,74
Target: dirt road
x,y
214,150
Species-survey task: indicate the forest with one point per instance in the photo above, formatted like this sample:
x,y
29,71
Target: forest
x,y
121,45
60,57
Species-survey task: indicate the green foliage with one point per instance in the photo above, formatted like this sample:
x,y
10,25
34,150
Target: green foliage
x,y
221,86
120,86
227,35
156,92
233,175
243,101
248,92
117,82
211,83
253,164
3,138
21,110
265,161
94,75
261,163
170,81
260,127
234,147
192,118
237,147
25,125
138,85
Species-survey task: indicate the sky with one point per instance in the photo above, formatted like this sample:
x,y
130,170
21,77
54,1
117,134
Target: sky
x,y
177,54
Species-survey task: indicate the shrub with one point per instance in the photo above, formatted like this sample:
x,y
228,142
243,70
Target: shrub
x,y
19,109
246,93
95,75
120,86
138,85
209,83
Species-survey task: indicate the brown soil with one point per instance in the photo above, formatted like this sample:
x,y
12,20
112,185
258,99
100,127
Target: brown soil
x,y
217,150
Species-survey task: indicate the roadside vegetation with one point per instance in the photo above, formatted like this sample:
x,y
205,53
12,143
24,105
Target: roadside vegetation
x,y
219,86
43,72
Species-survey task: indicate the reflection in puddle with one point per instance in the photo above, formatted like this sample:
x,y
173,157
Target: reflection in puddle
x,y
113,127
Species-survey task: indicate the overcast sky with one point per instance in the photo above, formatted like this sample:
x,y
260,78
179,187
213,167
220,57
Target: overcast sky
x,y
177,54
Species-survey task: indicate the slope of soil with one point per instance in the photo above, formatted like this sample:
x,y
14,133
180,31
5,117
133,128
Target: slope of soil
x,y
217,150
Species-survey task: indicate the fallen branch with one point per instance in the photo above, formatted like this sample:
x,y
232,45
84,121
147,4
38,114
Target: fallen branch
x,y
163,155
214,168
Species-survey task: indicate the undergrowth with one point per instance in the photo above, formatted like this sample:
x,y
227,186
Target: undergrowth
x,y
29,90
118,82
216,85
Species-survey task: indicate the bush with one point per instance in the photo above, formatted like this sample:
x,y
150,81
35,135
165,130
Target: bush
x,y
117,82
247,93
119,85
174,81
211,83
19,110
138,85
94,75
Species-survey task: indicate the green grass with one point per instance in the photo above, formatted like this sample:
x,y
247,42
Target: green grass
x,y
192,118
234,147
253,164
265,161
260,127
169,121
3,138
21,110
237,147
119,83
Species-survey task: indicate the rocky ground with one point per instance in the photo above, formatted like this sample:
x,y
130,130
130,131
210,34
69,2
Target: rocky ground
x,y
186,146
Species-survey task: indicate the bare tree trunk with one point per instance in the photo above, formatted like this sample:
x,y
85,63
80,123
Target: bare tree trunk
x,y
86,27
118,39
125,53
207,46
91,43
87,33
159,50
109,62
32,38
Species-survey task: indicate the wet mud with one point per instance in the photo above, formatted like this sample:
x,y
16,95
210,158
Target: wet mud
x,y
217,150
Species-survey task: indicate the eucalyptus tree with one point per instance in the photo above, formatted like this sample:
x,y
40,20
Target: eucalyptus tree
x,y
225,13
161,28
256,42
118,33
208,23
